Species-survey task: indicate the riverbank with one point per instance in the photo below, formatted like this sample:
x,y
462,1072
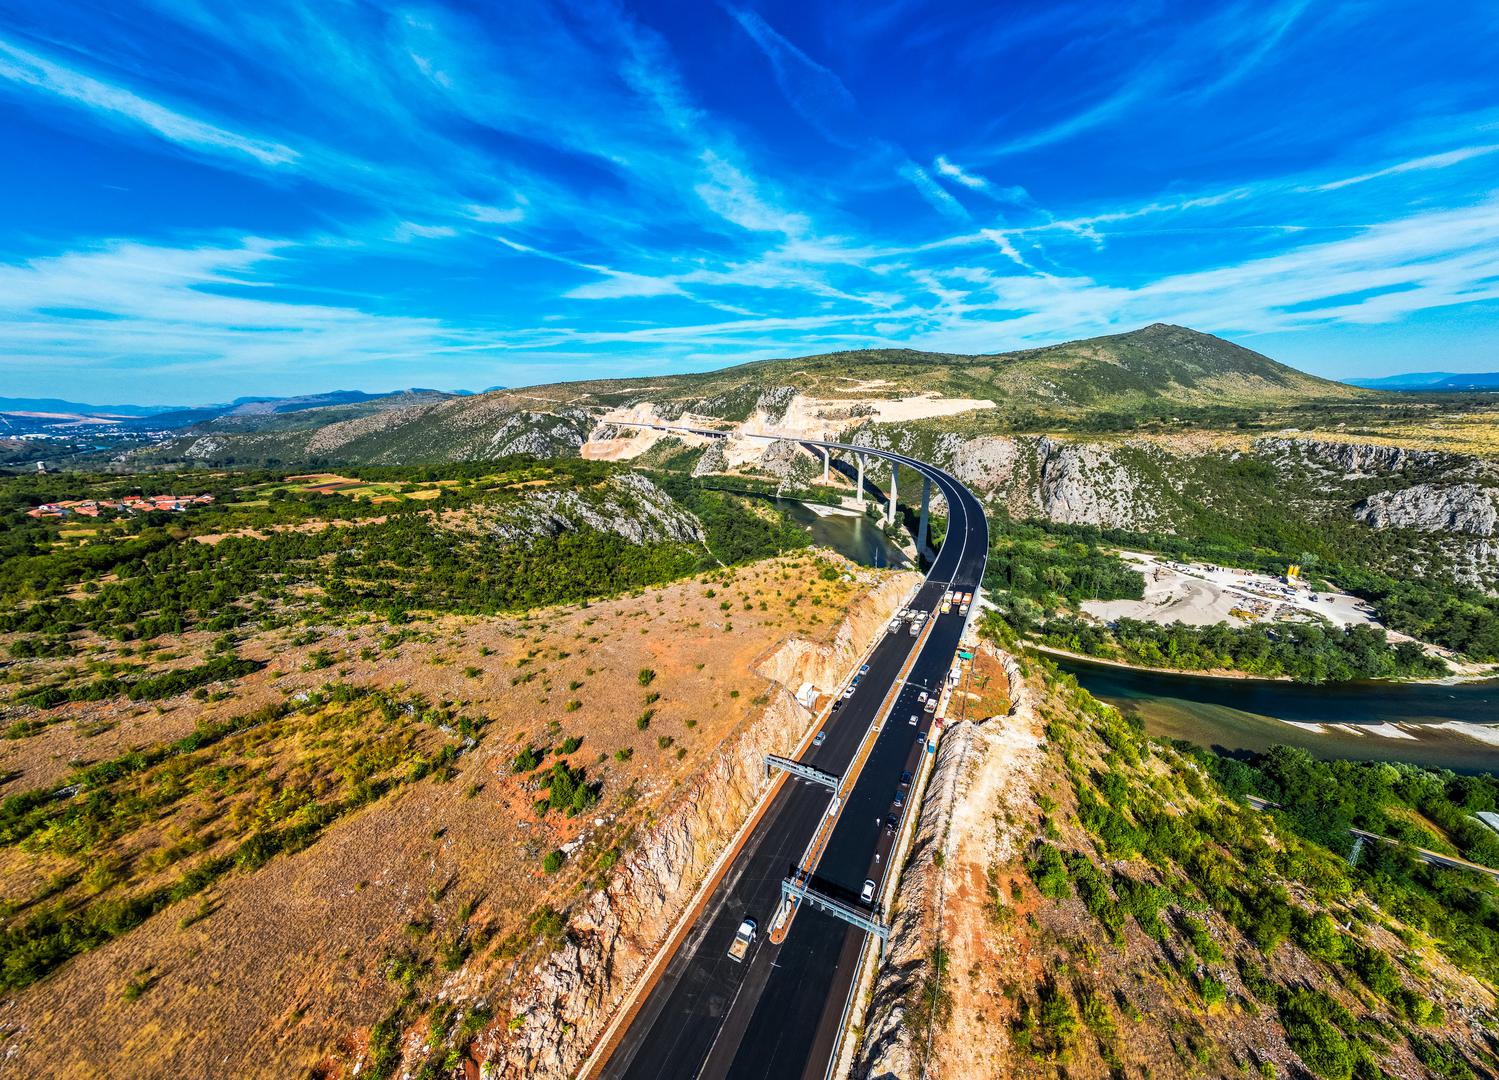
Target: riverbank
x,y
1217,673
1435,725
1472,673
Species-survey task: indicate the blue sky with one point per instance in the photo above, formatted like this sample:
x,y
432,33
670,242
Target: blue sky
x,y
204,199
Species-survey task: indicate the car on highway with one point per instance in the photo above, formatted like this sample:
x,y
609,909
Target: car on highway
x,y
913,720
866,894
931,705
921,697
744,937
905,779
820,738
864,670
891,822
848,691
895,626
900,799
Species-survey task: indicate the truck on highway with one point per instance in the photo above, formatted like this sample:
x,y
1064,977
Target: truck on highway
x,y
744,937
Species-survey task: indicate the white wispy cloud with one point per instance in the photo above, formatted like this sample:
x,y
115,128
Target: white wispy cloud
x,y
208,310
813,90
955,172
1205,58
732,195
933,192
122,107
1443,160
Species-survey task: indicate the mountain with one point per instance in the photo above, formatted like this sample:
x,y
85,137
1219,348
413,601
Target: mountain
x,y
1158,372
75,408
1159,366
53,415
1432,381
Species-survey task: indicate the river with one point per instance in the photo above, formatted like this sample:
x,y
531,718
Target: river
x,y
853,536
1417,722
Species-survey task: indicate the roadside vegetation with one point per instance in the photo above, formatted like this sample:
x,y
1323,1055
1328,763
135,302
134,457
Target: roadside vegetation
x,y
1368,970
1305,652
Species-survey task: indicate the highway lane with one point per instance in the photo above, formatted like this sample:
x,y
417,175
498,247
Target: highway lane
x,y
795,1021
777,1014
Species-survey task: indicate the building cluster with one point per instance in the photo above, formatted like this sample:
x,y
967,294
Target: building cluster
x,y
130,504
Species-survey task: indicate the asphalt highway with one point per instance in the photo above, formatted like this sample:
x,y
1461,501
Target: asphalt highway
x,y
777,1014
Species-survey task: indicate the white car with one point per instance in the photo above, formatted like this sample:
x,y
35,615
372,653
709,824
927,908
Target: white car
x,y
921,697
913,720
866,894
931,705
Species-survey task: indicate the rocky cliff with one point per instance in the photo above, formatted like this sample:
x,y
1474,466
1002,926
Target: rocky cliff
x,y
981,765
628,505
567,999
1457,508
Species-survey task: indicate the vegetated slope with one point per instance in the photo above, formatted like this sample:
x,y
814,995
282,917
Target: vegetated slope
x,y
359,853
1085,897
1157,364
1153,371
131,611
398,429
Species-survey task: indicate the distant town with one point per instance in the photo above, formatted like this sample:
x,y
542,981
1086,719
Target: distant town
x,y
131,504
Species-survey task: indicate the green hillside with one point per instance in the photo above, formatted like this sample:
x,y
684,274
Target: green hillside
x,y
1156,364
1157,371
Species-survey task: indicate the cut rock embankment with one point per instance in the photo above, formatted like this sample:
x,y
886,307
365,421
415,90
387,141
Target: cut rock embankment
x,y
567,999
981,765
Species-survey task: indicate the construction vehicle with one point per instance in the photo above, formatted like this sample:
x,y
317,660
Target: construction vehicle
x,y
744,937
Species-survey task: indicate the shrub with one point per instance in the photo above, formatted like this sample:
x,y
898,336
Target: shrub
x,y
1305,1015
527,759
552,861
1049,872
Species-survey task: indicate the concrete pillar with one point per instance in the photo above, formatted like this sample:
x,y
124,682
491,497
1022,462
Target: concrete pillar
x,y
827,463
922,547
859,459
890,509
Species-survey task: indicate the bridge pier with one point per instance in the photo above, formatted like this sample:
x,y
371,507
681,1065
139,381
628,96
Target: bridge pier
x,y
827,464
890,509
923,548
859,460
